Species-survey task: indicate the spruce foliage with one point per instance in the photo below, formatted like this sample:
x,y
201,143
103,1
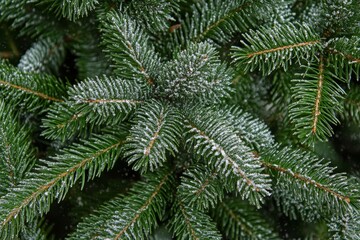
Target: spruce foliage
x,y
185,119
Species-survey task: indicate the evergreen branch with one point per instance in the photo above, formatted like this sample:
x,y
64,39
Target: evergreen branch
x,y
239,220
188,223
45,56
317,99
154,15
125,218
86,230
72,9
346,227
157,132
196,73
201,187
144,207
24,16
29,89
343,19
64,122
217,20
91,60
351,105
214,139
104,100
312,185
307,180
269,49
344,57
249,129
51,181
17,156
128,47
37,229
107,96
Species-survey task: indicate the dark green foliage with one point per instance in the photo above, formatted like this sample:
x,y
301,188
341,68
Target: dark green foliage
x,y
28,18
128,47
346,227
345,57
63,122
317,98
217,20
124,218
72,9
52,179
155,15
106,97
240,220
351,103
46,55
32,91
200,119
215,140
195,73
156,133
90,59
188,223
36,230
92,102
253,132
17,155
268,49
323,192
201,187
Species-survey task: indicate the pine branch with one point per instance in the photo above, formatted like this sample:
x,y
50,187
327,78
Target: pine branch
x,y
128,47
269,49
86,230
307,185
155,15
195,74
345,227
215,140
344,57
344,18
317,100
28,19
17,156
52,180
200,187
125,218
65,122
351,104
93,102
107,96
30,90
279,12
281,92
72,9
157,132
217,20
239,220
91,61
249,92
249,129
45,56
36,230
188,223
